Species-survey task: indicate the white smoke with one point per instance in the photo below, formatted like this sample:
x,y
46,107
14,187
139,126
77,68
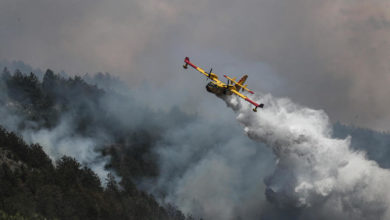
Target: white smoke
x,y
314,172
211,170
62,140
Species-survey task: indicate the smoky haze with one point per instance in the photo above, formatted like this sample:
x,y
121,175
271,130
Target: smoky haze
x,y
331,55
293,168
327,54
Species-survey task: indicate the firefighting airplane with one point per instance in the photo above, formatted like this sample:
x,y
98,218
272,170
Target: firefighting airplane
x,y
219,88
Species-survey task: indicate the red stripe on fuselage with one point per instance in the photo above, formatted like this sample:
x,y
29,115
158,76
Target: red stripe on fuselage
x,y
252,102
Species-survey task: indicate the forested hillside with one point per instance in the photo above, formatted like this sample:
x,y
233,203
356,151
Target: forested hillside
x,y
30,186
34,186
99,147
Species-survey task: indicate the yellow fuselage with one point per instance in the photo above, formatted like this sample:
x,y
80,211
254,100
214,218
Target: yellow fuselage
x,y
218,89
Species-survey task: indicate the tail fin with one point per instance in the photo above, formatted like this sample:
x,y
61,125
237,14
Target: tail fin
x,y
241,82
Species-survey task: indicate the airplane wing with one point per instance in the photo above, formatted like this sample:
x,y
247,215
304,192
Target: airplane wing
x,y
248,100
239,85
209,75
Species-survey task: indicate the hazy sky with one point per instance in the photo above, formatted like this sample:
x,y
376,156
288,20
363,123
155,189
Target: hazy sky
x,y
326,54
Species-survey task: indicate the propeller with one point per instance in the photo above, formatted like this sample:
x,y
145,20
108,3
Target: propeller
x,y
208,77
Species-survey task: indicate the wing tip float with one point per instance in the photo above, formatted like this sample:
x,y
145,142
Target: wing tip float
x,y
261,105
187,62
222,87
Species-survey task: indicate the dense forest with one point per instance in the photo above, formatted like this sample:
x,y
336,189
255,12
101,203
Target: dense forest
x,y
53,183
32,186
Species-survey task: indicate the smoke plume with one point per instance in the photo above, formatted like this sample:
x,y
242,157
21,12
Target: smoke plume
x,y
315,173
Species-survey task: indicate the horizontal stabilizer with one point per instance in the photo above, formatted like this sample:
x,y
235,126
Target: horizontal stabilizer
x,y
239,85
